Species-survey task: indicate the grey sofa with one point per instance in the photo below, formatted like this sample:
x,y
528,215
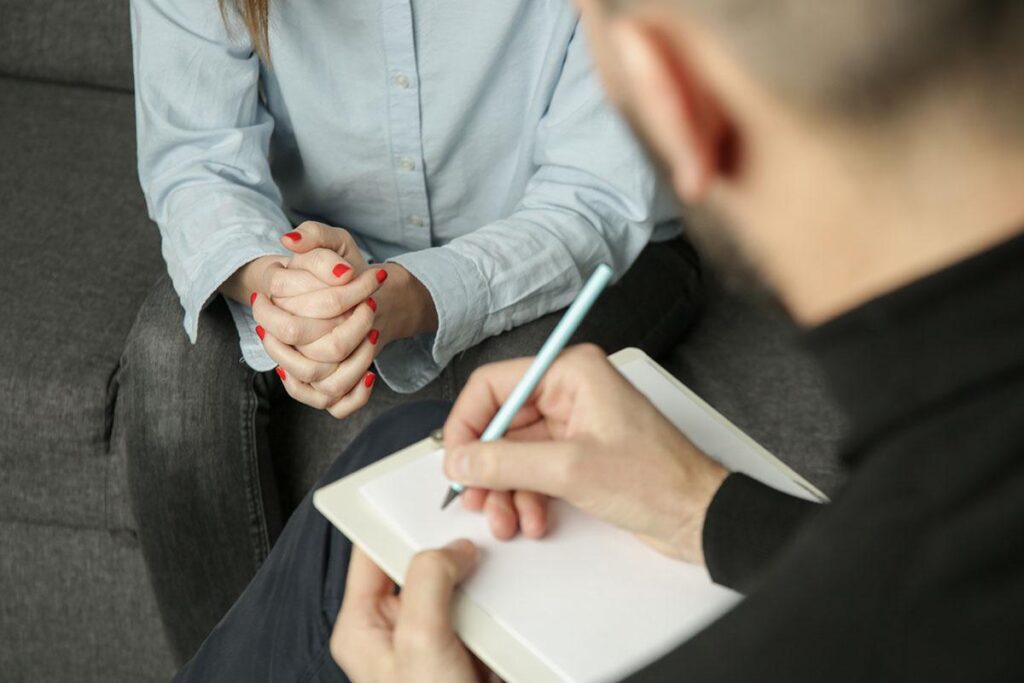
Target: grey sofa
x,y
78,256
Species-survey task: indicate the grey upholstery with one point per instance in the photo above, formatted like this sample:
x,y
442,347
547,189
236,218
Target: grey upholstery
x,y
85,42
78,256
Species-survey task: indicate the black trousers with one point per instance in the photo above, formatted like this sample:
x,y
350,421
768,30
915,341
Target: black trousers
x,y
279,629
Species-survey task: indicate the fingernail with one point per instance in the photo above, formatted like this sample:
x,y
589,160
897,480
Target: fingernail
x,y
252,298
340,270
294,235
369,379
382,275
374,336
372,304
260,332
281,373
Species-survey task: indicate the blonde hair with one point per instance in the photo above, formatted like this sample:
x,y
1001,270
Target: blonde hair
x,y
255,15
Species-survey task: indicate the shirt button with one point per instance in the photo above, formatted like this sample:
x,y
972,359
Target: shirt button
x,y
417,220
407,164
402,81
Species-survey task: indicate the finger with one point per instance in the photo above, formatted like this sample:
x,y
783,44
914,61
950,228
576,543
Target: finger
x,y
279,281
331,302
366,582
295,364
427,593
355,399
532,513
484,393
538,431
360,642
325,264
348,373
288,328
302,392
546,467
474,499
311,234
501,516
344,338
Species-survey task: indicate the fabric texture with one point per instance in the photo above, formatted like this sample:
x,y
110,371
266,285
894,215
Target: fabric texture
x,y
78,258
77,606
746,526
500,189
85,42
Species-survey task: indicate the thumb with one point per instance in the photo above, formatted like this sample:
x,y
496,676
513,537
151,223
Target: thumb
x,y
503,465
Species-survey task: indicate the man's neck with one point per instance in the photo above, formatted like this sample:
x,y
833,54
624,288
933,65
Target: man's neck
x,y
912,214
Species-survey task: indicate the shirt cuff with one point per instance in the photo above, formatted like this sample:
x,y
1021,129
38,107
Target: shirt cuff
x,y
461,297
221,265
253,353
745,526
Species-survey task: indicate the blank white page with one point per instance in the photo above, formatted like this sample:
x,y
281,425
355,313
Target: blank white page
x,y
591,601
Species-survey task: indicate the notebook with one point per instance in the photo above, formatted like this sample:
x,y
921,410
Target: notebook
x,y
586,604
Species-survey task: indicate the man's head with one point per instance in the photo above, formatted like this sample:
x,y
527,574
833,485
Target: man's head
x,y
847,145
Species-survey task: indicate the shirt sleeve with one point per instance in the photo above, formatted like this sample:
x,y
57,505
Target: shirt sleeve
x,y
203,142
745,526
593,199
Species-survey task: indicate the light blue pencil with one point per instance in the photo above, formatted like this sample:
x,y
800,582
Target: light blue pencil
x,y
545,357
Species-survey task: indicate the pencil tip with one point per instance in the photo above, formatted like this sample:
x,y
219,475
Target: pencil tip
x,y
449,497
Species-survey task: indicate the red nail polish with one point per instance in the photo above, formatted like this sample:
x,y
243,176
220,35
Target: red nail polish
x,y
340,270
252,298
374,336
294,235
260,332
382,275
369,379
372,304
281,373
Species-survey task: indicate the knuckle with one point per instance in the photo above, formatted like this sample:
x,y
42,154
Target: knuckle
x,y
570,468
589,352
305,374
486,465
290,332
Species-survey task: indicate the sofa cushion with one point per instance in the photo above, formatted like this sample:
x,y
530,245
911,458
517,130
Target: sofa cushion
x,y
79,255
73,41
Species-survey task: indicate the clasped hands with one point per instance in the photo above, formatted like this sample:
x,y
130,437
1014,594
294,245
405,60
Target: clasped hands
x,y
324,314
586,436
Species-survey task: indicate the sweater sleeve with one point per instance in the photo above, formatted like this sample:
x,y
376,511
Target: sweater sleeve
x,y
746,525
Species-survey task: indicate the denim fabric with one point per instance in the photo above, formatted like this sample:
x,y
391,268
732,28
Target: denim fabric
x,y
219,454
279,630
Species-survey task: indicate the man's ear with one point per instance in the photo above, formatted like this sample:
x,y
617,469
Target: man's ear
x,y
678,114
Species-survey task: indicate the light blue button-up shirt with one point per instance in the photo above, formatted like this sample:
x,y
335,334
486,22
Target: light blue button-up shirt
x,y
467,140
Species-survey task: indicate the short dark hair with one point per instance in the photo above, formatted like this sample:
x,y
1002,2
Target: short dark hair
x,y
863,58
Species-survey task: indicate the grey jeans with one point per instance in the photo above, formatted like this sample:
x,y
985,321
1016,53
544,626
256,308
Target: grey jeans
x,y
220,455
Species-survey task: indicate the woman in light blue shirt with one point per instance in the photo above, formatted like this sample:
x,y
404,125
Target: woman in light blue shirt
x,y
376,187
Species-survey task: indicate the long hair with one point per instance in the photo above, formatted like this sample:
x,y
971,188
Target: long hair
x,y
255,14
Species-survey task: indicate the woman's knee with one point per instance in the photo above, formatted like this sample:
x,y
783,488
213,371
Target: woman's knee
x,y
159,356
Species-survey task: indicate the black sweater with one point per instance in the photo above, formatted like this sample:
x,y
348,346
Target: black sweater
x,y
916,571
